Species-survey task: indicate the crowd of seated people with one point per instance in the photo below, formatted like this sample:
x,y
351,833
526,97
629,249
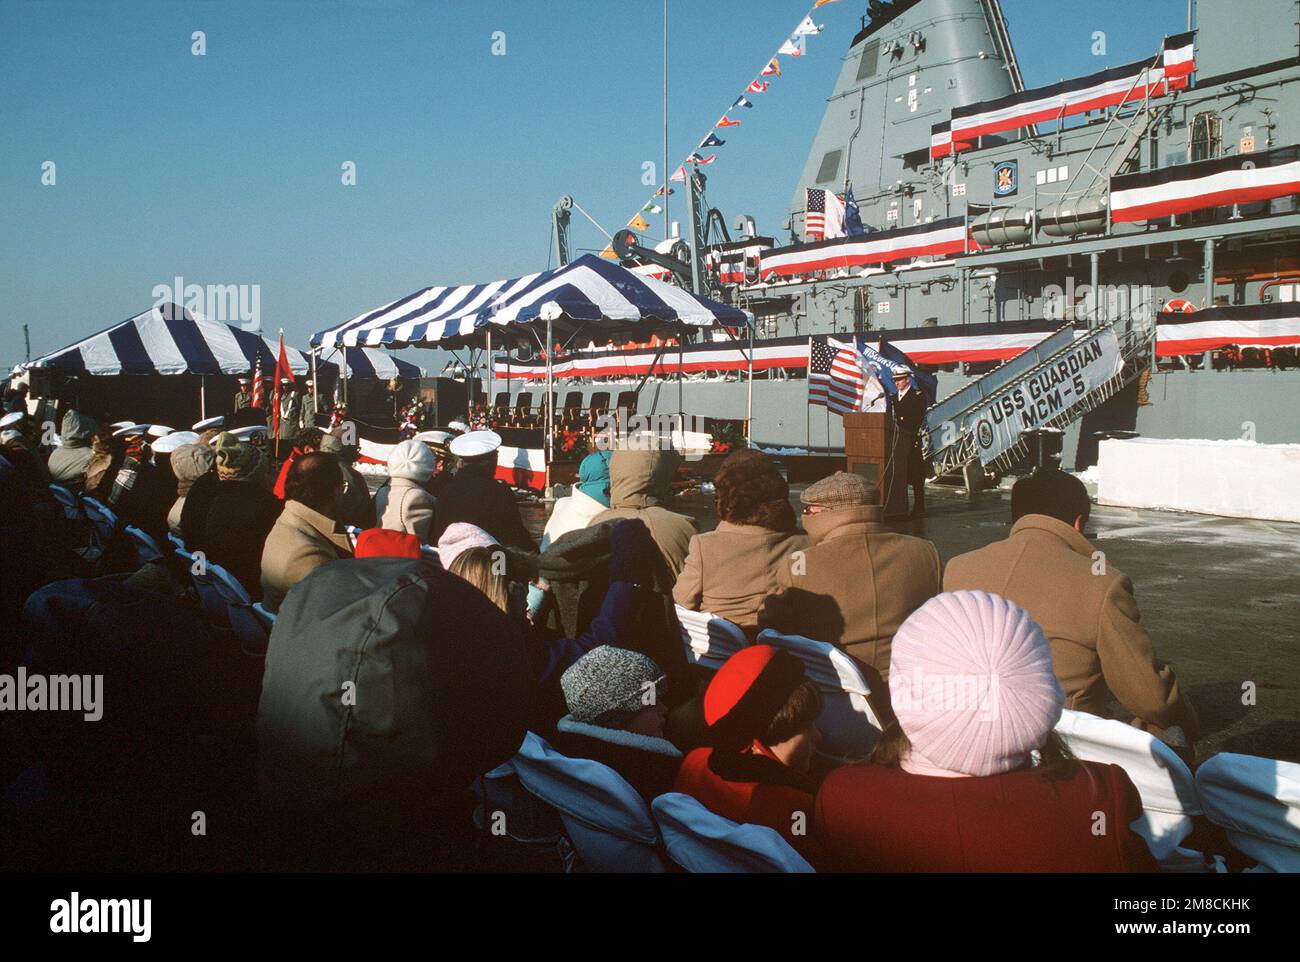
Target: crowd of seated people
x,y
409,661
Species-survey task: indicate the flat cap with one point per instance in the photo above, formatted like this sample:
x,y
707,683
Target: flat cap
x,y
841,490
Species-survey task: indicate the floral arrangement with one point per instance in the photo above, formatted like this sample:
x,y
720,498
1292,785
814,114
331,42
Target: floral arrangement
x,y
727,436
573,444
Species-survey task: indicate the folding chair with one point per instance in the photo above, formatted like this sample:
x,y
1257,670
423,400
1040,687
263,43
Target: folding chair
x,y
1168,790
708,639
104,520
146,548
605,818
226,604
71,504
1257,803
701,841
848,723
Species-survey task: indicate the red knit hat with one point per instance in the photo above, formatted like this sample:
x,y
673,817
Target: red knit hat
x,y
746,694
382,543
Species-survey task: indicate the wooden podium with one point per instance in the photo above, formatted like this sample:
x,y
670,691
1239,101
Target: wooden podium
x,y
877,448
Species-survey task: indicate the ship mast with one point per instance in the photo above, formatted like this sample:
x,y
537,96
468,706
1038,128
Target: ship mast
x,y
665,167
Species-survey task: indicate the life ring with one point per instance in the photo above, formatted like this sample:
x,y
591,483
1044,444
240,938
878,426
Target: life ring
x,y
1179,306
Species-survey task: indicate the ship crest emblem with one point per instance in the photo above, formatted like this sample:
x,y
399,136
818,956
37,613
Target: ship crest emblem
x,y
1005,181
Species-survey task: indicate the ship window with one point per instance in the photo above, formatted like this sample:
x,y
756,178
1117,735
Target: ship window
x,y
830,168
1206,140
870,58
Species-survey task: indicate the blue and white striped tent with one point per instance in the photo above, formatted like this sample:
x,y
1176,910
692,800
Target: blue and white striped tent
x,y
588,291
368,362
169,340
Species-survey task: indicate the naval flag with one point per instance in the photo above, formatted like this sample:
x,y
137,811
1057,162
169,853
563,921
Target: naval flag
x,y
807,28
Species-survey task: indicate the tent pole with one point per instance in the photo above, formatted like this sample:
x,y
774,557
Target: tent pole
x,y
487,404
343,373
550,405
203,397
315,388
749,398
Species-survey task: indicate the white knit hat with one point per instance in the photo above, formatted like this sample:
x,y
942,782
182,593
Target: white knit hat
x,y
412,460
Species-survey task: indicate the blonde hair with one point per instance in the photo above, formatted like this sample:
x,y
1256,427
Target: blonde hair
x,y
477,566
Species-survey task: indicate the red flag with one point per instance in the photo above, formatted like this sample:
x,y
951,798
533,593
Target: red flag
x,y
727,122
756,87
282,369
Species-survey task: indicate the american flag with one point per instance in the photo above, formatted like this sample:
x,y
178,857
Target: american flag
x,y
257,381
823,214
835,378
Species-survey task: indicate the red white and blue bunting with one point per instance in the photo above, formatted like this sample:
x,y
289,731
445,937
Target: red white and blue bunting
x,y
1106,88
1239,179
1256,325
932,346
940,238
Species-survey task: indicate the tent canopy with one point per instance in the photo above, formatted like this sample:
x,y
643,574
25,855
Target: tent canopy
x,y
588,291
169,340
368,362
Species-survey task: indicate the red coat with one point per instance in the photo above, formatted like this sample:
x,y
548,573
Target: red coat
x,y
769,794
875,819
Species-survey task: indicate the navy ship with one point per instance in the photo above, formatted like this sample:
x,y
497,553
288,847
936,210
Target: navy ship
x,y
1157,199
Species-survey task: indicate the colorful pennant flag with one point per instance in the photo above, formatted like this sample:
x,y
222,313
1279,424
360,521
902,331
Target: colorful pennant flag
x,y
665,191
727,122
608,253
756,87
773,68
790,49
741,102
712,141
638,223
822,3
679,175
652,207
807,28
699,161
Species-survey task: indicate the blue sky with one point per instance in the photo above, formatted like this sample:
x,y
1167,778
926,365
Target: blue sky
x,y
225,168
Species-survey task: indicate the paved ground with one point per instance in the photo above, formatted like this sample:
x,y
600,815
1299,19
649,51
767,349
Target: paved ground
x,y
1219,596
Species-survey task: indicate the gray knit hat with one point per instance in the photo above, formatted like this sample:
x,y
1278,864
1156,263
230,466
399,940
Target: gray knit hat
x,y
608,679
841,490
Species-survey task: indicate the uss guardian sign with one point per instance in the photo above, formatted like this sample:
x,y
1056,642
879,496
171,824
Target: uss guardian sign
x,y
1050,391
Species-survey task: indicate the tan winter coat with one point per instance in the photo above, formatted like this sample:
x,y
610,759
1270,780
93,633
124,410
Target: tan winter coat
x,y
730,570
638,488
404,505
302,540
1089,614
859,583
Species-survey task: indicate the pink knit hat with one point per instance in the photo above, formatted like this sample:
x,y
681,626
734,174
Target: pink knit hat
x,y
971,681
459,538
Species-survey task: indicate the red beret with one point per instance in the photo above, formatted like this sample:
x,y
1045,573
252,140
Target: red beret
x,y
746,694
382,543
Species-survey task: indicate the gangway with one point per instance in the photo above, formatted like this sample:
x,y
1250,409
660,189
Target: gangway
x,y
949,439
